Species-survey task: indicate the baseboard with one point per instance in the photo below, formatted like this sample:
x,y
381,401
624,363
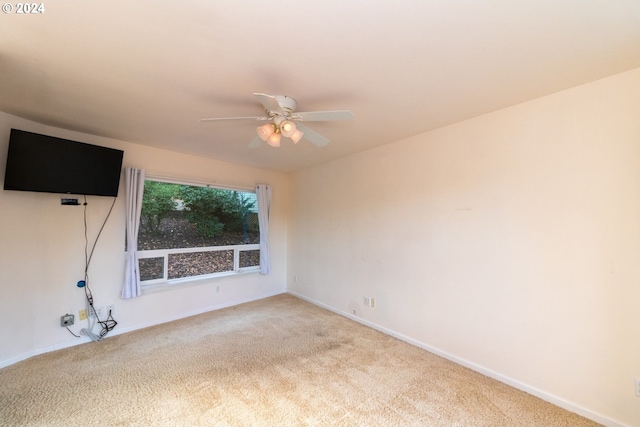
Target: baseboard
x,y
562,403
42,350
199,311
124,330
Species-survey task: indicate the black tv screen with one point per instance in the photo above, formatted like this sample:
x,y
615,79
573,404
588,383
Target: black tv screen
x,y
54,165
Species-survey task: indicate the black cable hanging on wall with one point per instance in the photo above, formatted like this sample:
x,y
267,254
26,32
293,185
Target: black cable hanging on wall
x,y
109,323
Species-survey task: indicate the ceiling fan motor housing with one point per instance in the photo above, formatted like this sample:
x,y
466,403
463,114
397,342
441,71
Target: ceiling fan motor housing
x,y
287,104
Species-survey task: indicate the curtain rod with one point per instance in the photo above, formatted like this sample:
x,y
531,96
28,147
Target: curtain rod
x,y
185,181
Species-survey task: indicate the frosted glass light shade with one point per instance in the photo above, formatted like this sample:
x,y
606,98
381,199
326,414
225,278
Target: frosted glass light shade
x,y
296,136
287,128
265,131
274,140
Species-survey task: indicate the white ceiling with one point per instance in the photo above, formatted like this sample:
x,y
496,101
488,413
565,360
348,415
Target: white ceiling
x,y
146,71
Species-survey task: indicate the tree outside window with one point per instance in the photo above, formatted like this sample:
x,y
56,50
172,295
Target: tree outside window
x,y
176,218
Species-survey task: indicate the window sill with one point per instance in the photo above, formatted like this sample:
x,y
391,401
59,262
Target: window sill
x,y
194,280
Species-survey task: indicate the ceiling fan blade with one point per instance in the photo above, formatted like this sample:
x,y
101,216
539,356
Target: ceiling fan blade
x,y
255,142
218,119
322,116
313,136
269,102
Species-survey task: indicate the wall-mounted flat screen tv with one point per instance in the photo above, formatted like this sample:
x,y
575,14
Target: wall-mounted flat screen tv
x,y
54,165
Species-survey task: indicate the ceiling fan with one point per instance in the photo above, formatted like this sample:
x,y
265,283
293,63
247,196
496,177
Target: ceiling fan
x,y
283,120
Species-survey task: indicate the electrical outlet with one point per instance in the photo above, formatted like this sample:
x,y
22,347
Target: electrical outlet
x,y
99,312
66,320
638,387
82,314
108,310
367,301
96,311
372,302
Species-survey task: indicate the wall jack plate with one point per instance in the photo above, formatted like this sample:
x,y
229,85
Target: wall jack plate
x,y
66,320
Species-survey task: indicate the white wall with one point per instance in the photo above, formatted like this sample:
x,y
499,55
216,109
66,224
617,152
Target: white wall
x,y
510,242
42,252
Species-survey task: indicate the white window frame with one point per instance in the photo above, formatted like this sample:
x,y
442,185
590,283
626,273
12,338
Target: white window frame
x,y
164,253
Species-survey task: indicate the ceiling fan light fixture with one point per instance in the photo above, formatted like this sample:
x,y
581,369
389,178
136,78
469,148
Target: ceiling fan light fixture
x,y
274,139
265,131
296,136
280,115
287,128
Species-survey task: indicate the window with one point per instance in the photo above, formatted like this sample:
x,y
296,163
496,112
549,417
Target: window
x,y
191,231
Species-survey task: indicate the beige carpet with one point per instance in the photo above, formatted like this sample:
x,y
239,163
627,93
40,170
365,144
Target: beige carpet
x,y
275,362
